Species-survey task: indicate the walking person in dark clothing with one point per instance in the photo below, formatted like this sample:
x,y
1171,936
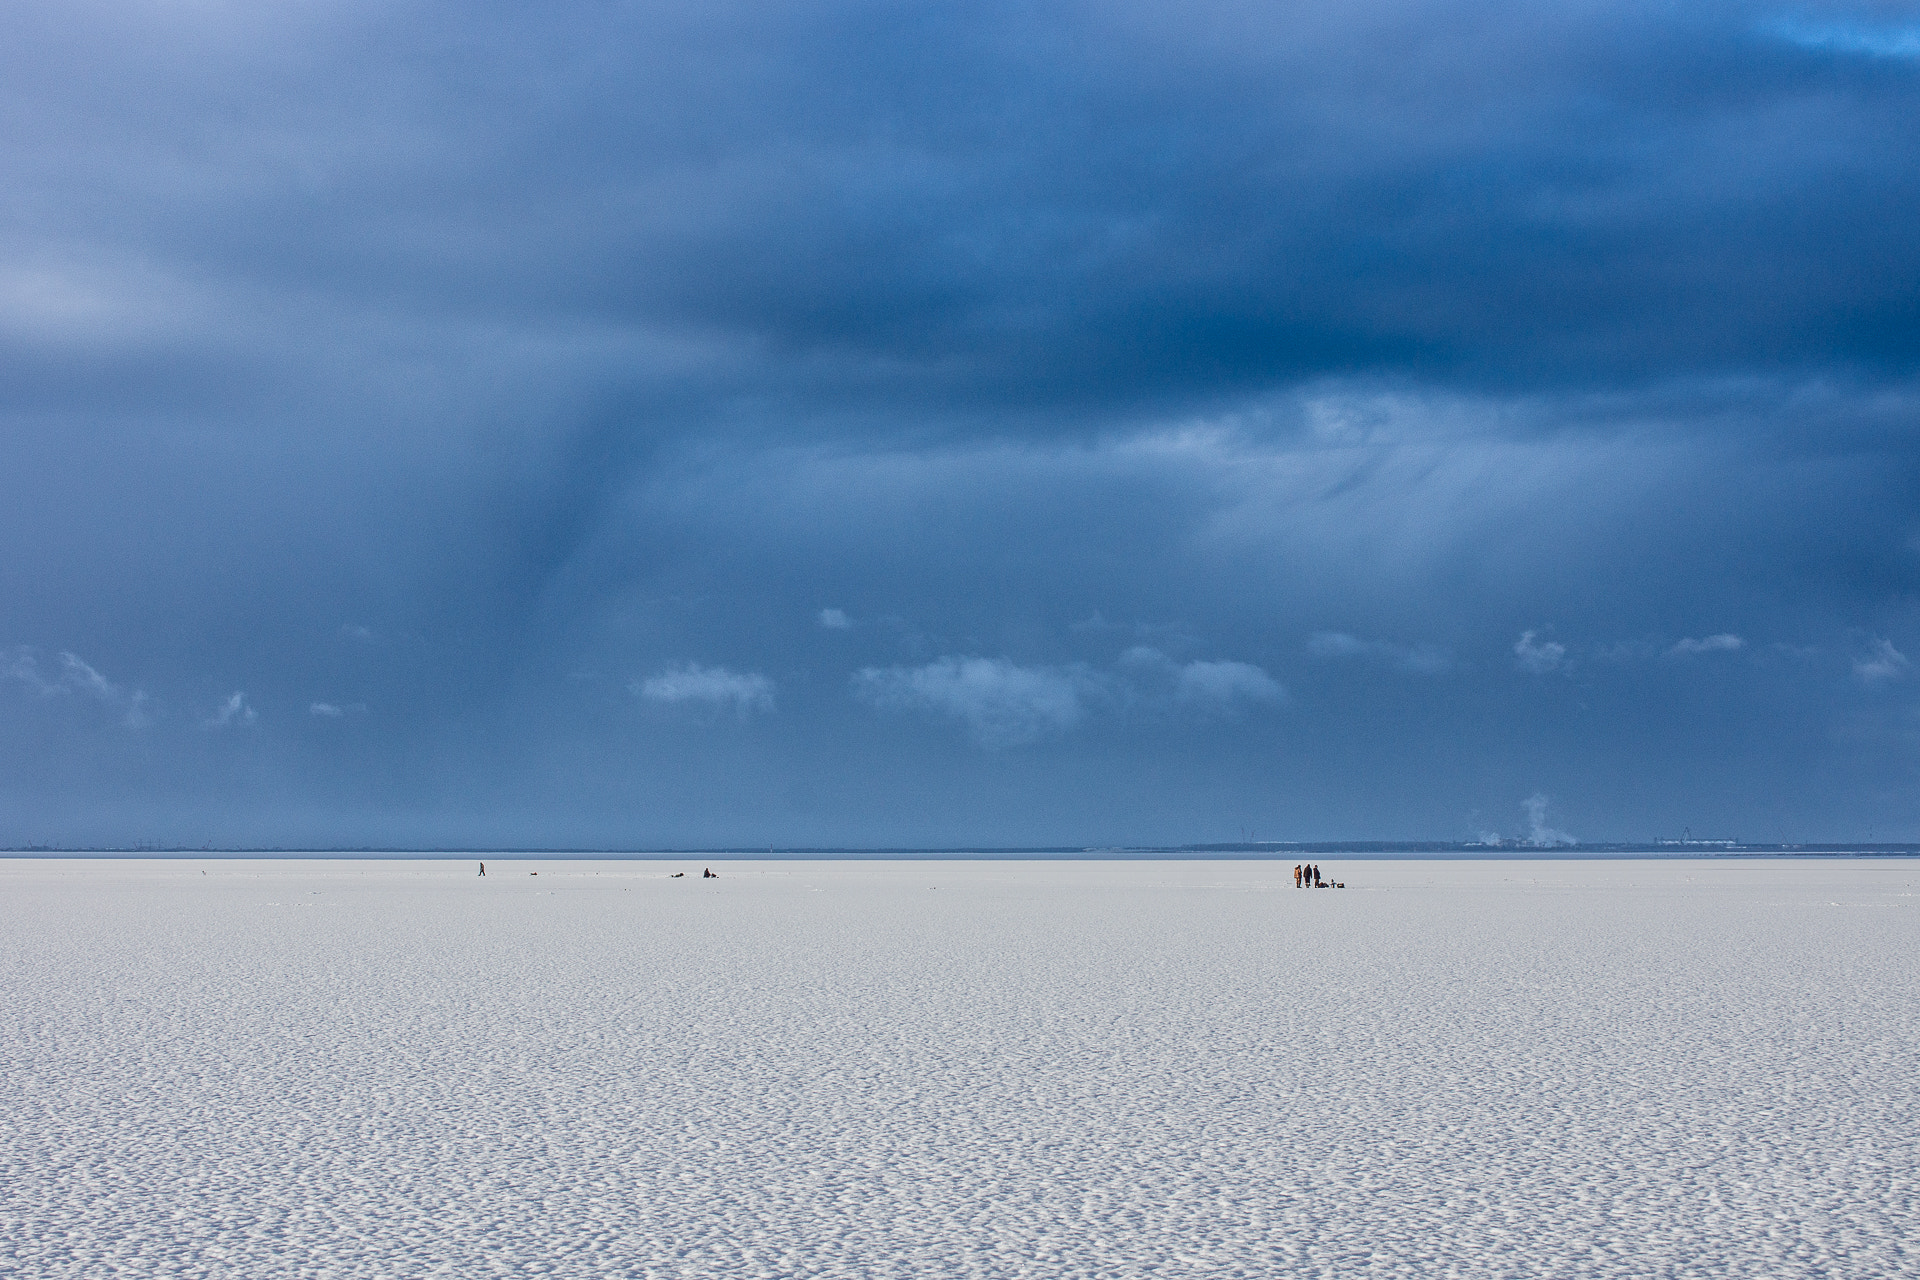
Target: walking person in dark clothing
x,y
483,868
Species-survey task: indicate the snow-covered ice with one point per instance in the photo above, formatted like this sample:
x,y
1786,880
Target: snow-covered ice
x,y
364,1068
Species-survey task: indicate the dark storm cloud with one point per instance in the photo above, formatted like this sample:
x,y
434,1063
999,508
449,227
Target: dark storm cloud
x,y
395,395
999,209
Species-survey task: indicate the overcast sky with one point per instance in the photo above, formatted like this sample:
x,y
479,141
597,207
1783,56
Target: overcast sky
x,y
932,424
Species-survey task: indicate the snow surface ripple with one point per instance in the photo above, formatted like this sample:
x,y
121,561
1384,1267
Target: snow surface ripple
x,y
959,1069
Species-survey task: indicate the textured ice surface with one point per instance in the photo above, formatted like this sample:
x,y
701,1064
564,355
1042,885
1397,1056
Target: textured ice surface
x,y
959,1069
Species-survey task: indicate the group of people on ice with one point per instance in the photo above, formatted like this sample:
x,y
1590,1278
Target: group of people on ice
x,y
1308,877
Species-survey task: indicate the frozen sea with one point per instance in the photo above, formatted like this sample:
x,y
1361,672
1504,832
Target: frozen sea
x,y
1112,1069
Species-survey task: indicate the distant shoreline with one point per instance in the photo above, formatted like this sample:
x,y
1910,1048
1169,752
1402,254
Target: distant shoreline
x,y
1256,851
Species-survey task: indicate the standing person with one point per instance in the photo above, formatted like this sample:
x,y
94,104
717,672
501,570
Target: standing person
x,y
1296,875
483,868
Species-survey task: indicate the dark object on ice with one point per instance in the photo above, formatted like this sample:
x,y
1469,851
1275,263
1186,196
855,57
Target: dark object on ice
x,y
707,874
483,868
676,875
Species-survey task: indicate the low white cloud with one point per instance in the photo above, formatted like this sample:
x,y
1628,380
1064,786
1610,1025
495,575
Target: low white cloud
x,y
745,693
20,665
233,711
834,619
1725,642
1418,659
1848,37
1156,682
74,676
1880,663
1227,684
1003,703
1000,702
326,709
1539,656
84,678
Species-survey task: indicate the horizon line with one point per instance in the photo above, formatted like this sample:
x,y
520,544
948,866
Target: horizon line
x,y
1252,849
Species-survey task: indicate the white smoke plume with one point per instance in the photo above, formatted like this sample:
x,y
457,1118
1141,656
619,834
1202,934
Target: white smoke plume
x,y
1539,834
